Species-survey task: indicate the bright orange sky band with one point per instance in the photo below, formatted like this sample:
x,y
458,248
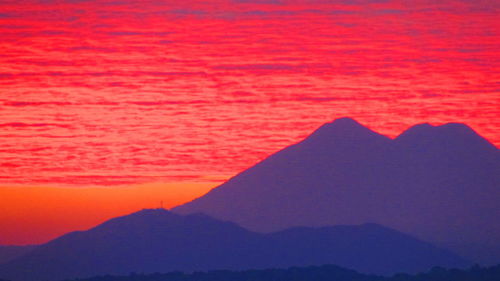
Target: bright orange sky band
x,y
33,215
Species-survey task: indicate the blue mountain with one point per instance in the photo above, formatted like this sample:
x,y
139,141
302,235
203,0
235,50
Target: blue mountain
x,y
438,183
160,241
8,253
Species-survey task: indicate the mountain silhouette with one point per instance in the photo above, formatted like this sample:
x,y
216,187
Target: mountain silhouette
x,y
312,273
8,253
160,241
439,183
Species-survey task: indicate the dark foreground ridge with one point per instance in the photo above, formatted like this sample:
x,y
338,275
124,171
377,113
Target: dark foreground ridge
x,y
8,253
160,241
313,273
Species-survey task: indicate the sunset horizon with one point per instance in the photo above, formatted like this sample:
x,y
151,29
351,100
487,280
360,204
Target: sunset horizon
x,y
191,136
51,203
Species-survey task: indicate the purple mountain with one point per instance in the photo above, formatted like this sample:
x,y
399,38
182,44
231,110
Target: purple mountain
x,y
8,253
439,183
161,241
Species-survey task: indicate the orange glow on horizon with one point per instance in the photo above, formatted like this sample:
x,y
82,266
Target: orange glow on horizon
x,y
34,215
101,96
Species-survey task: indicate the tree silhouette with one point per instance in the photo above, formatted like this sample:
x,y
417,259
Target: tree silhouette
x,y
312,273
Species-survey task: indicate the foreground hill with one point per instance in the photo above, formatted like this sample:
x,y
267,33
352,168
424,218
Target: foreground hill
x,y
439,183
313,273
161,241
8,253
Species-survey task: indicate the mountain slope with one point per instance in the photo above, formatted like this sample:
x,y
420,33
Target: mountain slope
x,y
8,253
160,241
440,183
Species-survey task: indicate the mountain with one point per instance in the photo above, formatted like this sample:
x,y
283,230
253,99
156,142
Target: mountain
x,y
8,253
316,273
160,241
439,183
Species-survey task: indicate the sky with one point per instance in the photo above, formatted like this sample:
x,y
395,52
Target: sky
x,y
110,106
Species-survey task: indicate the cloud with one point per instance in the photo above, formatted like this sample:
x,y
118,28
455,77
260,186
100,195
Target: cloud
x,y
21,124
273,2
137,33
264,66
42,103
6,15
284,2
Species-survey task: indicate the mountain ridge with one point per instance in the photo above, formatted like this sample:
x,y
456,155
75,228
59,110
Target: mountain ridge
x,y
422,182
161,241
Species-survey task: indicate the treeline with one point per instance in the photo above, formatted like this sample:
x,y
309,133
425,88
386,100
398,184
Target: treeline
x,y
312,273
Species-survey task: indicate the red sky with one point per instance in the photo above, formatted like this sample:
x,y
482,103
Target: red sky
x,y
122,94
